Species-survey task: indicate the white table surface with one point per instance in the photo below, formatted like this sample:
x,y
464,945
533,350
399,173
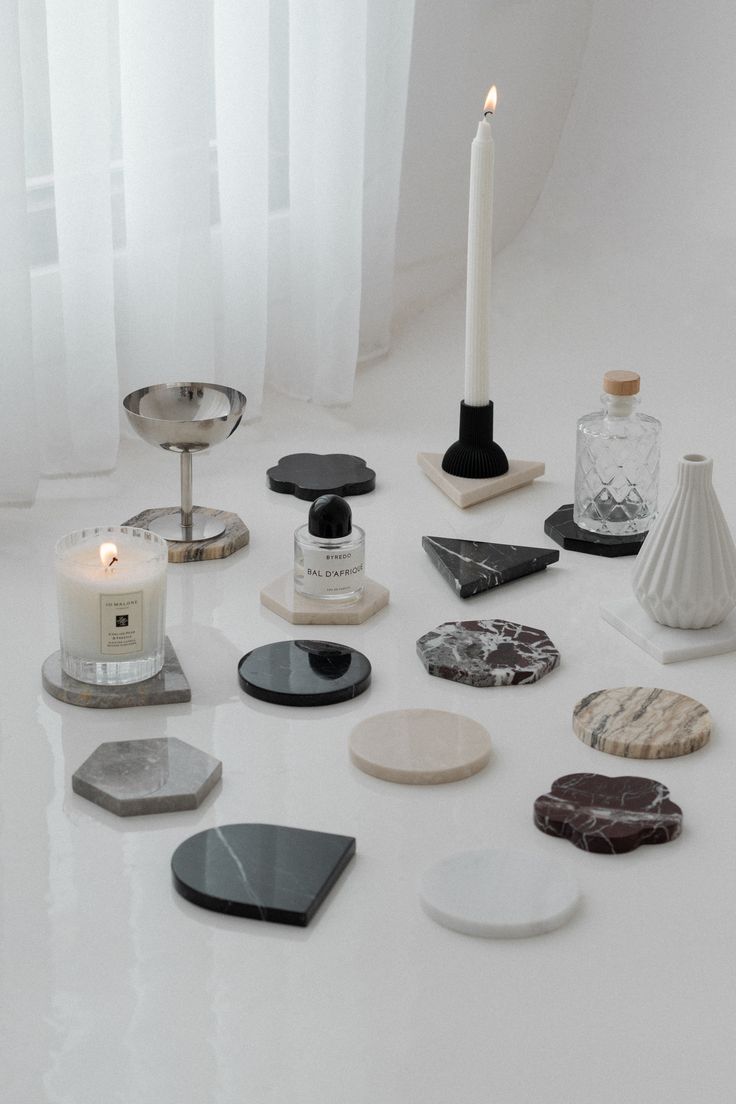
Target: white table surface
x,y
115,989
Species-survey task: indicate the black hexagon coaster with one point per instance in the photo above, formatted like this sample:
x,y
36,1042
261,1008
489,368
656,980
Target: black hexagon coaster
x,y
262,871
161,775
308,475
471,567
561,528
304,672
488,653
608,815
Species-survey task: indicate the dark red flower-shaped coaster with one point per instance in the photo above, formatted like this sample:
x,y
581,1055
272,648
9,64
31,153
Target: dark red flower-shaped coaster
x,y
608,815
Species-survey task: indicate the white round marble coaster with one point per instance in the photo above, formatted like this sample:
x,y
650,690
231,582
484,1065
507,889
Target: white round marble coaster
x,y
420,747
499,894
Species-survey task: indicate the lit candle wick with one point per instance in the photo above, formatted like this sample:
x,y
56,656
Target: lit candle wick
x,y
108,554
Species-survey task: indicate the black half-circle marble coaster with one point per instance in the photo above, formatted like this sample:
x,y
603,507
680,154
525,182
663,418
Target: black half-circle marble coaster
x,y
160,775
304,672
308,475
262,871
641,722
608,815
561,528
488,653
471,567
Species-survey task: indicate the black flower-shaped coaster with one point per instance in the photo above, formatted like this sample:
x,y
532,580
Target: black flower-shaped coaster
x,y
308,475
608,815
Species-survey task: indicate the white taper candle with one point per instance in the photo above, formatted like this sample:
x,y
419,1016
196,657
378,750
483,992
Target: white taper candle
x,y
478,295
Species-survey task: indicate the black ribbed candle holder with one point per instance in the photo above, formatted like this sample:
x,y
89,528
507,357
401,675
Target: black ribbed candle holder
x,y
475,455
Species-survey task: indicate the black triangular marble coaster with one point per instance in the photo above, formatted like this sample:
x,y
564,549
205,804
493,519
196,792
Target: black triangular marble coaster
x,y
474,566
562,529
262,871
308,475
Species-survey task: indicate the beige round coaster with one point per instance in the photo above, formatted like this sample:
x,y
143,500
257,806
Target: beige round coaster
x,y
420,747
641,722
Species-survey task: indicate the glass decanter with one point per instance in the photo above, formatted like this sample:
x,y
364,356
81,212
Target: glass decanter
x,y
617,462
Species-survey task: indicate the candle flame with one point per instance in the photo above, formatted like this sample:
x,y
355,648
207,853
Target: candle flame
x,y
491,101
108,554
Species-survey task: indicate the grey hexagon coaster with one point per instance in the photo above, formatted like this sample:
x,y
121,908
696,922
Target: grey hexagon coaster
x,y
235,535
170,685
488,653
133,777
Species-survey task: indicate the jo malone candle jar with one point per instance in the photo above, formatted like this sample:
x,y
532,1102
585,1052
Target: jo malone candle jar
x,y
111,589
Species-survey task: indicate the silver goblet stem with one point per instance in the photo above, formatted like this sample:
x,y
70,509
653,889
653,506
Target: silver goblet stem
x,y
185,459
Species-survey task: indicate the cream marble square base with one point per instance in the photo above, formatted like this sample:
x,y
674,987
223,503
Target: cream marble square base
x,y
468,492
665,644
280,597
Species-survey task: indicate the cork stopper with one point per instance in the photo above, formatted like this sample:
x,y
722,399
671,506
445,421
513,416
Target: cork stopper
x,y
621,383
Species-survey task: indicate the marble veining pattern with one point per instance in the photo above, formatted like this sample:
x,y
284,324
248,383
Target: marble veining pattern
x,y
261,871
608,815
159,775
488,653
235,536
170,685
471,567
641,722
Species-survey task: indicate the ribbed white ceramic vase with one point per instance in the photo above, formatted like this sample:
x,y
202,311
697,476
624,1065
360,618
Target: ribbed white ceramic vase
x,y
685,574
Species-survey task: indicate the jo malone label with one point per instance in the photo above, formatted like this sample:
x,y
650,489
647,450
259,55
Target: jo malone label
x,y
121,623
338,572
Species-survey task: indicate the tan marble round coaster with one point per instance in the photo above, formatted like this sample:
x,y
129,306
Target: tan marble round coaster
x,y
641,722
420,747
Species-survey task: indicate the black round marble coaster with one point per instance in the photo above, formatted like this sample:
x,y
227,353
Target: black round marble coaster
x,y
308,475
304,672
263,871
561,528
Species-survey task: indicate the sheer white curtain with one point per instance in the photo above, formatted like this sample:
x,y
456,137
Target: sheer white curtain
x,y
203,190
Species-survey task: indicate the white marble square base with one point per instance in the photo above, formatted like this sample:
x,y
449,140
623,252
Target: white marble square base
x,y
665,644
468,492
280,597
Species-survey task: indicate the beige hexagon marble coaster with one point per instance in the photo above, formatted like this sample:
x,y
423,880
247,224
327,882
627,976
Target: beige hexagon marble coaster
x,y
281,598
468,492
235,535
420,747
641,722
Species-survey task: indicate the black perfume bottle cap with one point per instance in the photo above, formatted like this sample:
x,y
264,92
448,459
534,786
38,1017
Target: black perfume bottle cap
x,y
330,517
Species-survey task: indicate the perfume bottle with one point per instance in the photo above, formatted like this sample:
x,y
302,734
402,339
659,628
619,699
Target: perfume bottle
x,y
329,553
617,462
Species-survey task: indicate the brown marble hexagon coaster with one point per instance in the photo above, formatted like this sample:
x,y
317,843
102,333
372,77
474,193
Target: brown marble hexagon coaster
x,y
421,747
133,777
488,653
641,722
235,536
168,686
608,815
468,492
281,598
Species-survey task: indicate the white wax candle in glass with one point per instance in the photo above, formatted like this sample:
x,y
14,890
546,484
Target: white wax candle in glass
x,y
111,589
